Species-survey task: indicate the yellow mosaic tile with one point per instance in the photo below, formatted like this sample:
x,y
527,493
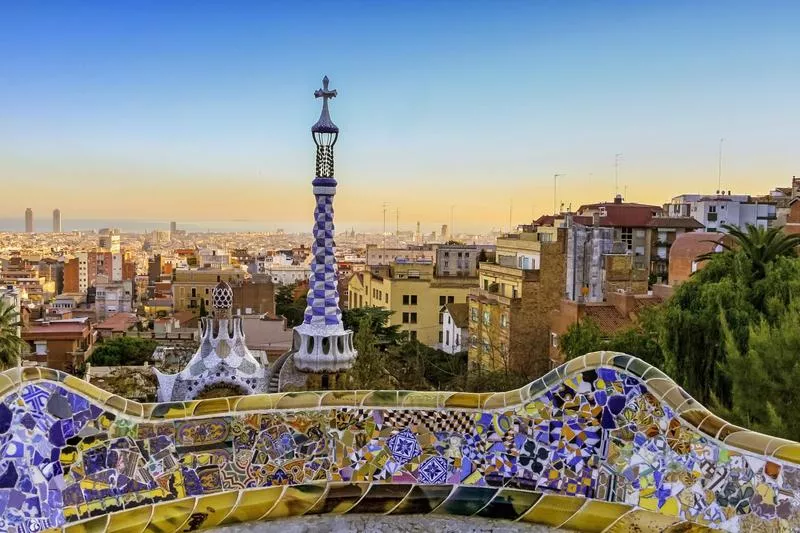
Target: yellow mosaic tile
x,y
595,516
381,399
463,400
639,520
171,516
339,498
213,406
298,400
257,402
211,510
296,500
97,524
553,510
129,521
253,504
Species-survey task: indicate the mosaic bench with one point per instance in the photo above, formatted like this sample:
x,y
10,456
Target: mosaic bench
x,y
602,443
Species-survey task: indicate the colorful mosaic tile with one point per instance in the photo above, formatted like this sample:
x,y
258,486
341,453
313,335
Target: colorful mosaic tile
x,y
598,432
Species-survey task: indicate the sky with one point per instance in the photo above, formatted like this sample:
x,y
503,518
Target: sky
x,y
201,111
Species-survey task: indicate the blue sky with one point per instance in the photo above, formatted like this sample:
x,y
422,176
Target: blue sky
x,y
201,110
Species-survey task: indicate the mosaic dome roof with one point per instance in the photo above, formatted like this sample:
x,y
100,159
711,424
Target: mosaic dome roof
x,y
222,296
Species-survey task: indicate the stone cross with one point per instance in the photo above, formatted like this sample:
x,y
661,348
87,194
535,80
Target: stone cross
x,y
324,92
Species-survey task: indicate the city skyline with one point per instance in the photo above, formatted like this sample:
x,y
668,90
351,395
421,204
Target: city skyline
x,y
191,103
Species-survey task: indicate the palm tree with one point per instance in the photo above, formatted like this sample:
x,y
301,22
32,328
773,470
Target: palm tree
x,y
11,345
761,246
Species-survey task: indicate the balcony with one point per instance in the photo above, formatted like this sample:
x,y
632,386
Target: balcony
x,y
488,297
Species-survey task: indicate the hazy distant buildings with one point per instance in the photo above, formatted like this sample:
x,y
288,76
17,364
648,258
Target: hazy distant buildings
x,y
173,227
56,221
445,233
29,220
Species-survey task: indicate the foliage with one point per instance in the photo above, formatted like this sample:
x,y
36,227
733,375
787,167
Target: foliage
x,y
761,246
203,311
641,340
288,306
764,378
731,286
495,381
369,370
123,351
11,345
582,338
377,320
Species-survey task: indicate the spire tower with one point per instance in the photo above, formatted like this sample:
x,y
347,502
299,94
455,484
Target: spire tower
x,y
321,344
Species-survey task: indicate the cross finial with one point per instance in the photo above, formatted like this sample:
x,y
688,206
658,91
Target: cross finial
x,y
325,124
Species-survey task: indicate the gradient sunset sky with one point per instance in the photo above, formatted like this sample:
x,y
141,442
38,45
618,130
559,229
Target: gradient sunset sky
x,y
196,111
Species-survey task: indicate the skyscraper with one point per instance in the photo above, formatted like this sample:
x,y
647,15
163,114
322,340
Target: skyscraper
x,y
56,221
29,220
321,343
173,227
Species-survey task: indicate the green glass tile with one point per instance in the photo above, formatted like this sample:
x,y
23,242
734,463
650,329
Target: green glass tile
x,y
382,498
510,504
637,367
423,499
340,498
467,501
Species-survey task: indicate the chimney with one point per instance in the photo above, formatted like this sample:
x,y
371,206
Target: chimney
x,y
623,301
595,219
618,199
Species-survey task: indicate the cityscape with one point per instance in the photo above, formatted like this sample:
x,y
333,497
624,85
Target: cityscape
x,y
438,351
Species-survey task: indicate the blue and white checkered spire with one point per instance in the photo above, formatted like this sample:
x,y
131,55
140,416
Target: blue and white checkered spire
x,y
322,344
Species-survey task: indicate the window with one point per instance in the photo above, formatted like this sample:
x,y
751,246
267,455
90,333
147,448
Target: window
x,y
473,314
441,318
405,318
447,254
513,292
413,317
545,237
504,320
486,284
442,301
451,299
206,290
405,299
413,299
413,335
387,297
440,337
487,318
554,340
460,254
627,237
485,346
447,339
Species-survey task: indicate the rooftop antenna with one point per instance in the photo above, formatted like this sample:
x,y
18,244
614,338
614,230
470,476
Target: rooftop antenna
x,y
384,227
555,189
451,219
719,165
625,192
617,158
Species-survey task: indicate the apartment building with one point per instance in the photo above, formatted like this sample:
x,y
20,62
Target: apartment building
x,y
414,294
509,311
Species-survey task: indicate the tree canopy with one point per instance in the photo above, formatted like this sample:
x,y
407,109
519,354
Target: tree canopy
x,y
123,351
11,345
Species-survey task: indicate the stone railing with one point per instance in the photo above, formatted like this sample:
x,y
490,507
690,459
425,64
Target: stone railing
x,y
602,443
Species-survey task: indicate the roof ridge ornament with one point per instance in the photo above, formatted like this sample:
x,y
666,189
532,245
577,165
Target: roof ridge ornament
x,y
325,124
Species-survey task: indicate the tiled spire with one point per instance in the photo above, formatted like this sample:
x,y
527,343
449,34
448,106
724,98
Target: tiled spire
x,y
323,345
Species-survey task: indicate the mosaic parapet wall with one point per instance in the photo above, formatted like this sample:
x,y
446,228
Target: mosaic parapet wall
x,y
603,443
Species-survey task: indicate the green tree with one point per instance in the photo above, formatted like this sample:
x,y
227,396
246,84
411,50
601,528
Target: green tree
x,y
730,286
203,311
582,338
288,306
765,395
11,345
759,245
377,320
370,368
123,351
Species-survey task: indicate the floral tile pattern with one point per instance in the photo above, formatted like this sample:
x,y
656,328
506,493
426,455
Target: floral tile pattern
x,y
599,433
